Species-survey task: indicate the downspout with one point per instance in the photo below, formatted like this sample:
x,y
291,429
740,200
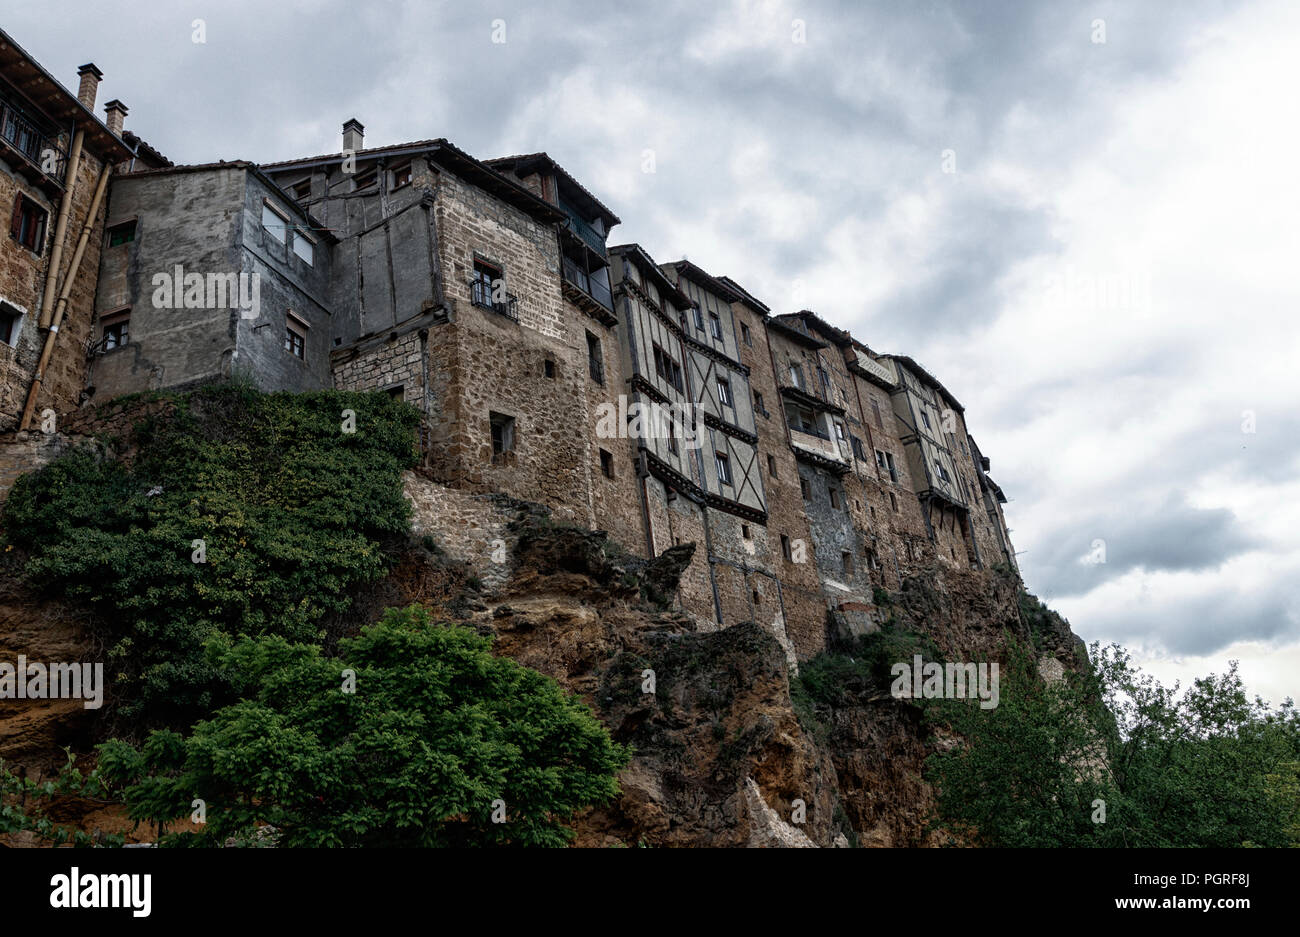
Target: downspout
x,y
71,278
61,227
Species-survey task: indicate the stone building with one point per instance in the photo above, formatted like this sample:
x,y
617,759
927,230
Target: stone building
x,y
55,158
658,402
210,271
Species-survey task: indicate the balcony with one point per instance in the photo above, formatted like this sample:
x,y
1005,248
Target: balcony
x,y
576,276
480,294
814,446
40,155
589,235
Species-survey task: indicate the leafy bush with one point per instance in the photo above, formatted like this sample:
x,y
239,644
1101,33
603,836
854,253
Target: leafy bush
x,y
435,732
292,510
1206,768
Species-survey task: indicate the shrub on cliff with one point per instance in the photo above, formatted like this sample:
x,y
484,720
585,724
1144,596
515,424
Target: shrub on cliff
x,y
436,745
241,513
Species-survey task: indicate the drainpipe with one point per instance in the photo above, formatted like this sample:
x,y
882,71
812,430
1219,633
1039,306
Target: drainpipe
x,y
71,278
61,227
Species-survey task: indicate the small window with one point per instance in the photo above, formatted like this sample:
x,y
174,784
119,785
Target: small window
x,y
839,431
548,368
875,407
825,378
397,393
10,323
677,376
893,502
116,330
123,233
925,419
304,247
595,360
364,180
487,282
503,435
699,317
804,489
835,496
758,403
724,392
27,226
672,439
606,464
796,376
744,531
715,325
785,547
757,599
846,561
302,190
745,334
295,342
724,468
275,223
402,176
771,465
889,462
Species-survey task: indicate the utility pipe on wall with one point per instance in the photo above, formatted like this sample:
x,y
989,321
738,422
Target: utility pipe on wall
x,y
71,278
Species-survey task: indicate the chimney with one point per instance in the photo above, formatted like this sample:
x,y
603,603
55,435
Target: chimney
x,y
116,115
353,135
90,78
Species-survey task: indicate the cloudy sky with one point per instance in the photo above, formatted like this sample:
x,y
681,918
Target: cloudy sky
x,y
1081,216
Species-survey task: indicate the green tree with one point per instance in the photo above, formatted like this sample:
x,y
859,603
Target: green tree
x,y
1206,767
436,733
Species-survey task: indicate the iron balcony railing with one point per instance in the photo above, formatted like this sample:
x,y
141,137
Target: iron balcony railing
x,y
481,295
583,281
23,137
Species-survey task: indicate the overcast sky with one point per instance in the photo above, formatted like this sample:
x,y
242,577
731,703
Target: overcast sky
x,y
1082,217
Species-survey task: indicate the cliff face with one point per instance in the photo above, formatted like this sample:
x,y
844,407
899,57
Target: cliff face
x,y
724,753
723,757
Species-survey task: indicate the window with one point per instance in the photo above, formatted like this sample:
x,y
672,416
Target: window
x,y
893,472
402,176
771,465
595,360
10,323
785,547
724,392
677,375
804,489
365,180
606,464
875,408
295,336
758,403
839,431
796,376
846,561
487,284
825,378
699,316
397,393
661,366
724,468
116,329
672,438
744,333
715,325
503,435
302,190
275,222
943,472
304,247
744,531
835,496
757,599
893,502
27,226
859,450
548,368
122,233
925,419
